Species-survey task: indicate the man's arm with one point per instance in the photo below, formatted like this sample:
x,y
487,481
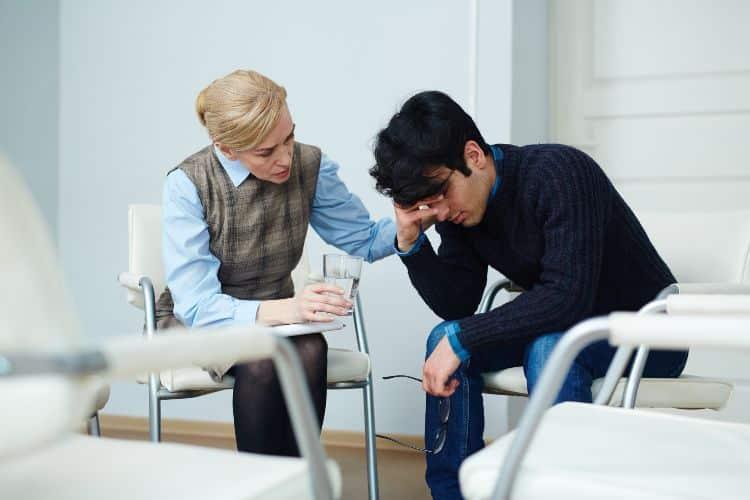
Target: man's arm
x,y
573,211
450,282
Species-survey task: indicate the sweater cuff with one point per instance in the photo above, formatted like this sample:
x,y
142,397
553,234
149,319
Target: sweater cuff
x,y
414,248
452,330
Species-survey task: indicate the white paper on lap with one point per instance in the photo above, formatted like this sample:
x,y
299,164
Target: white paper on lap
x,y
305,328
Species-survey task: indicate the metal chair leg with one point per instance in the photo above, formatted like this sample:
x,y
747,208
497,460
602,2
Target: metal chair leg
x,y
369,405
372,456
93,426
154,409
154,384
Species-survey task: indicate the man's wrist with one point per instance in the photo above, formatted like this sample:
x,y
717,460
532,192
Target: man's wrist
x,y
404,245
412,249
452,330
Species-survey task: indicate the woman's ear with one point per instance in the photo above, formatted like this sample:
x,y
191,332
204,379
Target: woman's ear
x,y
226,151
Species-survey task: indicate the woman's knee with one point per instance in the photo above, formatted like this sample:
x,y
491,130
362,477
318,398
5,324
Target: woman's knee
x,y
256,373
312,346
313,353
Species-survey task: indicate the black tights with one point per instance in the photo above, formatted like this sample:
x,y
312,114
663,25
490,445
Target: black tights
x,y
261,420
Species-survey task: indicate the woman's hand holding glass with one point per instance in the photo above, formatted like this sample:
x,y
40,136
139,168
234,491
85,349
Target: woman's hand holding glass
x,y
319,301
316,302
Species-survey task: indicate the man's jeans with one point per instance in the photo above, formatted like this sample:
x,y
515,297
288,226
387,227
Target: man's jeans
x,y
466,421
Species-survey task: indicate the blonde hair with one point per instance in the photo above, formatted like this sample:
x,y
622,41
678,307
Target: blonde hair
x,y
240,109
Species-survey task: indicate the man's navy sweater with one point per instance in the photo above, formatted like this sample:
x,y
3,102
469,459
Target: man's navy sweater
x,y
556,227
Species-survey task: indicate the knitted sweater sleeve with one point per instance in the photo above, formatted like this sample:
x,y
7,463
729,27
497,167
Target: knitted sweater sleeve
x,y
450,282
572,205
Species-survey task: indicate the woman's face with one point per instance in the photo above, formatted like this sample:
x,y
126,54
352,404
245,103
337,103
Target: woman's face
x,y
271,160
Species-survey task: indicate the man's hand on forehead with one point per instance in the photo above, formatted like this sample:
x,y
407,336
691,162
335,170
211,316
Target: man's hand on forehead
x,y
424,204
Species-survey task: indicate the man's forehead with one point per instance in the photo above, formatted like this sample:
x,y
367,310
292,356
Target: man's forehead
x,y
436,172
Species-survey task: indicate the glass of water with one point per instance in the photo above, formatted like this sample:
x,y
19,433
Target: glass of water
x,y
343,271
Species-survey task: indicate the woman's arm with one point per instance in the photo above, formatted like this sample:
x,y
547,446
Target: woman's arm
x,y
341,219
192,272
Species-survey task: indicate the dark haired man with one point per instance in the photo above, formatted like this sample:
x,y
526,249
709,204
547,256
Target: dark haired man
x,y
548,218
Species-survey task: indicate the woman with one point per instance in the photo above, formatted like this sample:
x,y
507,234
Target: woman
x,y
235,219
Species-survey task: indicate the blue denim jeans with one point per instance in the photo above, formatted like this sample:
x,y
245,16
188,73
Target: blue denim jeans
x,y
466,421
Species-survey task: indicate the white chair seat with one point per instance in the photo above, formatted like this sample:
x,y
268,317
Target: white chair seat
x,y
343,366
510,381
687,392
347,366
81,467
593,452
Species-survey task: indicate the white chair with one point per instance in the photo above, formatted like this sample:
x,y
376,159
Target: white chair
x,y
144,281
92,424
49,376
575,450
709,252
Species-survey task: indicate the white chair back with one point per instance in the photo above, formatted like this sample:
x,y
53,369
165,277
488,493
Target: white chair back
x,y
145,249
36,312
35,317
145,252
702,247
705,247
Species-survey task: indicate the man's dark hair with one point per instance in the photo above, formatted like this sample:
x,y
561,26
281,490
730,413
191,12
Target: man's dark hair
x,y
430,131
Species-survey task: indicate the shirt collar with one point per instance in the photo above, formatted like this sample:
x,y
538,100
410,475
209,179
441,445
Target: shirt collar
x,y
497,156
236,171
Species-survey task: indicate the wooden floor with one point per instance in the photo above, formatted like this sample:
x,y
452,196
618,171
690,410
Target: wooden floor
x,y
401,472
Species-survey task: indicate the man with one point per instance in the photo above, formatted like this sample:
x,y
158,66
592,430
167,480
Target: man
x,y
546,217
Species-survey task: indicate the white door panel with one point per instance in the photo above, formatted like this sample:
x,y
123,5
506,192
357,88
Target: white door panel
x,y
658,92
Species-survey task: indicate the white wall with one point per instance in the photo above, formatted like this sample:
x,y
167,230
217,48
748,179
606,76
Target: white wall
x,y
530,75
29,85
129,74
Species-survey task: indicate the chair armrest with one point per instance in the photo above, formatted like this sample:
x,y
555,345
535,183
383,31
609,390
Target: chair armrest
x,y
130,355
489,295
130,281
181,347
125,356
713,288
680,332
686,298
708,304
140,292
623,329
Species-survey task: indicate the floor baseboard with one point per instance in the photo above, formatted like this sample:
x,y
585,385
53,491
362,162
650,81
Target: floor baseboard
x,y
221,434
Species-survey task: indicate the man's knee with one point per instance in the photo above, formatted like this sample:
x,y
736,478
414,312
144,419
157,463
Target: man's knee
x,y
436,335
537,354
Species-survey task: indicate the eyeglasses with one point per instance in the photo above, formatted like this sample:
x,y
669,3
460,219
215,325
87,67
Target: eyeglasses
x,y
441,190
444,411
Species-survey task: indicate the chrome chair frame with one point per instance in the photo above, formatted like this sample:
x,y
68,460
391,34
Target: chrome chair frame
x,y
284,357
158,393
623,354
572,343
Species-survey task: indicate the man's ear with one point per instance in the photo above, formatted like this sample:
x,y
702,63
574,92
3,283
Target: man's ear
x,y
226,151
474,156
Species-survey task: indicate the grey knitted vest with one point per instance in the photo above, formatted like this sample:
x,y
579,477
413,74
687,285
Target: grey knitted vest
x,y
257,230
